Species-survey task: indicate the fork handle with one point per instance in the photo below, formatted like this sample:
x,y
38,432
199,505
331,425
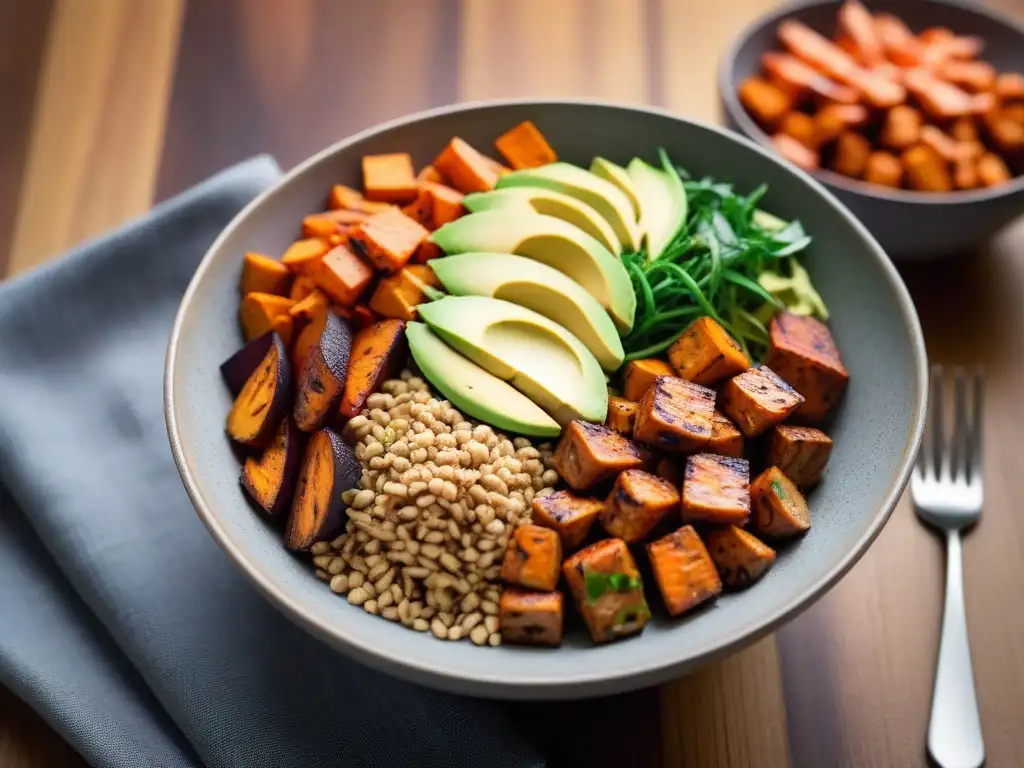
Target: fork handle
x,y
954,728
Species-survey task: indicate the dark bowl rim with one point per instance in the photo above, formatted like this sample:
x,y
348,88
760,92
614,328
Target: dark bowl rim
x,y
589,682
752,130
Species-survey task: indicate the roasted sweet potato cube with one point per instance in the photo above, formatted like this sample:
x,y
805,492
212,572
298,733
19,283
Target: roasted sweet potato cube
x,y
430,173
343,275
741,557
399,294
797,153
800,452
706,354
685,573
301,287
389,178
716,489
803,352
757,399
780,510
726,440
303,255
851,153
346,198
421,208
638,376
992,170
675,415
885,169
766,102
901,128
388,239
621,414
588,453
671,468
570,516
445,204
636,504
533,558
467,169
263,312
800,126
525,147
531,618
261,274
608,590
1010,86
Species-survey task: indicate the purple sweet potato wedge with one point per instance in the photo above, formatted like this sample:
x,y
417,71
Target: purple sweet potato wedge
x,y
264,399
323,375
239,367
329,467
270,479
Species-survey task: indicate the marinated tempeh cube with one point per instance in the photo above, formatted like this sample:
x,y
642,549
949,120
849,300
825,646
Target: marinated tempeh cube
x,y
803,352
608,590
757,399
637,503
705,354
684,570
741,557
531,618
726,440
716,489
533,558
780,510
638,376
621,414
800,452
568,515
589,453
675,414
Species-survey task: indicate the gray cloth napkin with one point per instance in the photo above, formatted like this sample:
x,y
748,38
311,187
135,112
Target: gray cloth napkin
x,y
121,622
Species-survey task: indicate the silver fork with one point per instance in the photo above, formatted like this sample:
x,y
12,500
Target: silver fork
x,y
947,491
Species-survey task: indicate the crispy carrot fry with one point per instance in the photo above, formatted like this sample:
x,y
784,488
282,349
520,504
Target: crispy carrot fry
x,y
940,99
902,127
800,77
856,22
835,118
943,46
992,171
973,76
766,102
926,170
885,169
851,154
801,127
898,42
798,154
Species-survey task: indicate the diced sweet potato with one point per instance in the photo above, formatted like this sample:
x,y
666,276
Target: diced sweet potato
x,y
621,414
675,415
992,170
264,399
389,178
901,128
533,558
798,154
685,573
926,170
343,276
495,166
525,147
531,618
851,154
1005,133
310,308
363,317
388,239
766,102
798,77
834,119
466,169
780,510
336,222
378,351
398,295
570,516
303,255
608,590
445,204
302,287
706,354
964,129
965,174
638,376
716,489
726,440
270,479
741,557
803,352
427,250
801,127
800,452
885,169
264,312
1009,86
343,197
636,504
325,367
329,468
589,453
261,274
430,173
757,399
671,468
421,208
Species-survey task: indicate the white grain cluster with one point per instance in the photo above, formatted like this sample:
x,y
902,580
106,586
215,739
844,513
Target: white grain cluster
x,y
429,524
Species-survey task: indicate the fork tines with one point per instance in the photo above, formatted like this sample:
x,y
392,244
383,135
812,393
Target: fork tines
x,y
959,458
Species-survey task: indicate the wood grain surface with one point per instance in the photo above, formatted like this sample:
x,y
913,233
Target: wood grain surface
x,y
164,94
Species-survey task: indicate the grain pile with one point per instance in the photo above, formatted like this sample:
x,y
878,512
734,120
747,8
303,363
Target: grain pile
x,y
430,522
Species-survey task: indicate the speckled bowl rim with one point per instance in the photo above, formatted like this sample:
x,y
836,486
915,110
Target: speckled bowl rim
x,y
580,682
752,130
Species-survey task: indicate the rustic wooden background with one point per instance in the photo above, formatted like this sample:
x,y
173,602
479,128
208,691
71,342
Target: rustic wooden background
x,y
109,105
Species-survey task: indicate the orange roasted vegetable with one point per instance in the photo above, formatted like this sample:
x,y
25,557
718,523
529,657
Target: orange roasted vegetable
x,y
324,368
467,169
926,170
387,239
726,440
398,295
264,399
302,287
684,570
884,169
798,76
261,274
621,414
765,101
343,276
992,171
851,154
800,452
421,208
378,351
974,76
270,479
965,174
798,154
901,127
1009,87
608,590
802,351
531,618
639,375
262,312
637,503
533,558
445,204
801,127
570,516
856,22
757,399
389,178
780,510
942,100
343,197
675,415
430,174
834,119
706,354
310,308
589,453
525,147
898,42
716,489
740,557
303,255
329,468
339,222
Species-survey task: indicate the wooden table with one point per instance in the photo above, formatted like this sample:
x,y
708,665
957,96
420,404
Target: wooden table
x,y
110,105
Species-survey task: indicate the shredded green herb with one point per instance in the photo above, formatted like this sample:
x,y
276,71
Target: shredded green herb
x,y
714,266
779,490
598,584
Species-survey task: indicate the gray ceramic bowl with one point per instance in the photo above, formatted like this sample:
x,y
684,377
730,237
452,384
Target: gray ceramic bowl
x,y
909,225
876,432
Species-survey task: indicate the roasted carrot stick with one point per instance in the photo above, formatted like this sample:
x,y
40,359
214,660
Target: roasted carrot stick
x,y
795,152
898,42
801,77
940,99
856,22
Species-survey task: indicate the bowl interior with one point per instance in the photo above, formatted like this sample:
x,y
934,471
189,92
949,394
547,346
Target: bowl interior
x,y
876,430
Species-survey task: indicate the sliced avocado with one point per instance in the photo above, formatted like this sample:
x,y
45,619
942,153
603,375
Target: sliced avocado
x,y
536,356
550,241
550,203
603,196
473,390
767,221
538,287
618,176
662,204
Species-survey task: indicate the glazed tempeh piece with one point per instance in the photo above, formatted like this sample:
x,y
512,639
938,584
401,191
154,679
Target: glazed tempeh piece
x,y
589,453
636,504
608,590
684,570
803,352
800,452
531,618
757,399
533,558
570,516
716,489
741,557
675,415
780,510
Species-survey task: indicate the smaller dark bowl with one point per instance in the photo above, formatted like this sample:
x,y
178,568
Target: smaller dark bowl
x,y
909,225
